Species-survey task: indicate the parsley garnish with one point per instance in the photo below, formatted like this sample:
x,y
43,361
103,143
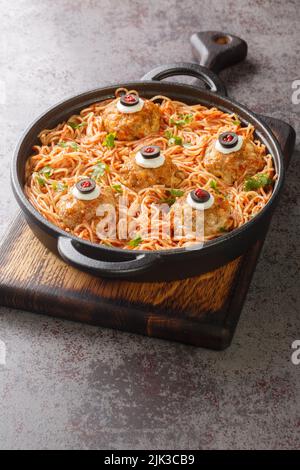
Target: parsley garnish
x,y
73,145
174,194
47,171
117,188
40,180
59,186
135,241
106,242
173,139
214,185
109,140
257,181
236,123
222,229
74,125
99,170
183,120
168,200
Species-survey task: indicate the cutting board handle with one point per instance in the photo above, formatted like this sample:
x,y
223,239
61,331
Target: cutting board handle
x,y
217,50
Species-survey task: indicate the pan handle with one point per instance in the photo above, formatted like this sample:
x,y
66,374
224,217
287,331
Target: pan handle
x,y
114,269
217,50
211,80
284,133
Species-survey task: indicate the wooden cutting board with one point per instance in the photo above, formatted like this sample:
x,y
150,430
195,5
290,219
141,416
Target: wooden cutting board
x,y
202,311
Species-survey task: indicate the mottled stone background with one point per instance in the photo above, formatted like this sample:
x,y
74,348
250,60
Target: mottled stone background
x,y
66,385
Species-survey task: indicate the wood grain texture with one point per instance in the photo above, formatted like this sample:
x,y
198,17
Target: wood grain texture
x,y
37,268
32,278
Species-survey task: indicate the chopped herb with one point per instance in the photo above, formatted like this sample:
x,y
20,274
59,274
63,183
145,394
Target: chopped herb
x,y
99,170
41,180
47,171
184,119
59,186
173,139
214,185
257,181
169,200
176,192
176,140
74,125
135,241
222,229
117,188
73,145
236,123
106,242
109,140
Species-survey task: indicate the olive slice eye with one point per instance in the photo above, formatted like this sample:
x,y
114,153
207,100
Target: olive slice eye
x,y
150,151
200,199
228,139
129,100
200,195
86,185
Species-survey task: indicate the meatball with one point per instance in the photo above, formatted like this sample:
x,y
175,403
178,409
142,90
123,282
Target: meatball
x,y
136,178
73,211
232,166
217,219
132,126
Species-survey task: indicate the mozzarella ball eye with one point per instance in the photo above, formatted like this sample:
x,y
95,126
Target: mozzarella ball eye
x,y
130,103
200,199
229,142
150,157
86,190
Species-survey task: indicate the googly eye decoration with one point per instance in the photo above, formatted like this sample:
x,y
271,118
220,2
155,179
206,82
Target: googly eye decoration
x,y
86,190
150,157
229,142
200,199
130,103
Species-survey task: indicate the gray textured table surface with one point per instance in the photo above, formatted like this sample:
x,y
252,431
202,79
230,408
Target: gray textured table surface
x,y
66,385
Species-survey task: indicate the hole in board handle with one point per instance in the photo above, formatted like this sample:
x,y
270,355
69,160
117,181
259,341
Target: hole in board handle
x,y
222,40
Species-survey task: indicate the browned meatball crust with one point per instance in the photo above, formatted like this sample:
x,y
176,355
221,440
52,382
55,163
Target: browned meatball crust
x,y
217,218
132,126
232,166
73,211
136,178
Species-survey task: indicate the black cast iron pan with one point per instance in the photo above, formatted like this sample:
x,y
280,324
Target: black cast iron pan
x,y
217,51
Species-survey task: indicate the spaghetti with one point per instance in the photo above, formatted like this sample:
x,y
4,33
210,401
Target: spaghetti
x,y
79,148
